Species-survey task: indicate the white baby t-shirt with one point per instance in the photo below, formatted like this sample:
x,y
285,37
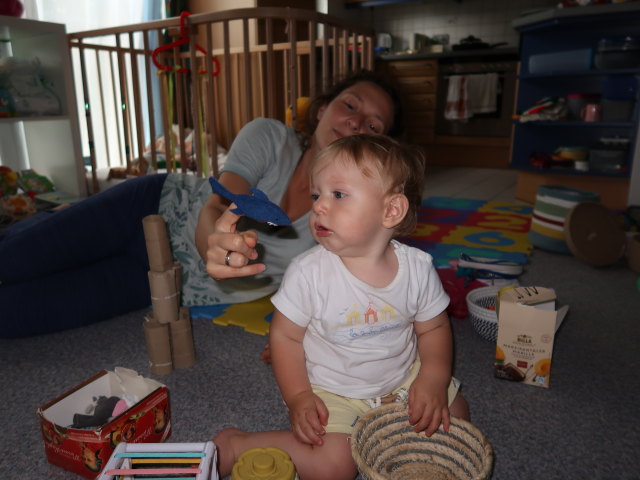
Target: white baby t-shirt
x,y
360,341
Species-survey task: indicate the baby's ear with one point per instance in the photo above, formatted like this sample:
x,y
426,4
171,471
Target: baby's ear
x,y
396,208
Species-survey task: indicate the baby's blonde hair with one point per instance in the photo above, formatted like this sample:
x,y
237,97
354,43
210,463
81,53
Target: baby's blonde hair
x,y
401,168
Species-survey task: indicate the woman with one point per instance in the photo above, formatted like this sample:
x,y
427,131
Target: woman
x,y
88,262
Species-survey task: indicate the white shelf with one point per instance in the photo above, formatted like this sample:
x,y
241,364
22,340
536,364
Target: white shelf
x,y
52,141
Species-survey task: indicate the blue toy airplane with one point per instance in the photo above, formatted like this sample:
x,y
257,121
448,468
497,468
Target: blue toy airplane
x,y
256,206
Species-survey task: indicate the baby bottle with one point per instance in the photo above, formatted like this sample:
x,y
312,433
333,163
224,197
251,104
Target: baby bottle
x,y
264,464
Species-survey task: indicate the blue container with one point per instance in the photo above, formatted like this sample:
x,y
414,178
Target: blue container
x,y
561,62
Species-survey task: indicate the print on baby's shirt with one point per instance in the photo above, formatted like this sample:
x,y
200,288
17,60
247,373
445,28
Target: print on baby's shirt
x,y
362,322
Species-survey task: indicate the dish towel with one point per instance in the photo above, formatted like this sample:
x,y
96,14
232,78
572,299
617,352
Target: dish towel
x,y
482,93
457,94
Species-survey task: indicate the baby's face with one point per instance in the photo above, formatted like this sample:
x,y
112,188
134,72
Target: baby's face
x,y
348,206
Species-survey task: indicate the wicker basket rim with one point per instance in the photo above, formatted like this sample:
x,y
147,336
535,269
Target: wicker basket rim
x,y
477,311
466,433
482,292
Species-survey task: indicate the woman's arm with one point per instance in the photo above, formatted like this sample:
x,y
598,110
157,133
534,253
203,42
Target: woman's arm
x,y
307,413
216,235
428,401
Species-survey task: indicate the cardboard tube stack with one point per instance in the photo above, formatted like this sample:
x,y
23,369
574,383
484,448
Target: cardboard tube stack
x,y
156,335
168,325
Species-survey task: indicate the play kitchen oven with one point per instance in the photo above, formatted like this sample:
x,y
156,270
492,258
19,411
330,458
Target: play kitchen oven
x,y
455,74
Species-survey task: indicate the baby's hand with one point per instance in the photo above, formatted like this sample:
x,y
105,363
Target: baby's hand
x,y
308,416
428,407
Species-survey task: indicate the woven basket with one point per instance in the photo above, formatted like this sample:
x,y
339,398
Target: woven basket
x,y
385,447
483,319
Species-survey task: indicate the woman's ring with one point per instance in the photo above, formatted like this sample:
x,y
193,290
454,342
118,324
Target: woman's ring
x,y
226,257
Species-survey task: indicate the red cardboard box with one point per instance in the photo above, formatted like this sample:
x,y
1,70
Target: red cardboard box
x,y
86,451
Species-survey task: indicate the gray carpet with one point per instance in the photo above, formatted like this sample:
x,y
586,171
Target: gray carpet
x,y
584,426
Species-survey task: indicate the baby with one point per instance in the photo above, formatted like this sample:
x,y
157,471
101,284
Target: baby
x,y
360,319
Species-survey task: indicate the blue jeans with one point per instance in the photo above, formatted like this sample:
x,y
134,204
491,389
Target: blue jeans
x,y
78,265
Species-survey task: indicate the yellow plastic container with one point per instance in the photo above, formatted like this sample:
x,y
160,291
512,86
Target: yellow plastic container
x,y
264,464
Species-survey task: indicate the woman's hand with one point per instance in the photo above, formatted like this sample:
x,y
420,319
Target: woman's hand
x,y
308,416
229,251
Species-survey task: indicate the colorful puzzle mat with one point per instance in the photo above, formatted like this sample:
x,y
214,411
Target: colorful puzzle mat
x,y
446,228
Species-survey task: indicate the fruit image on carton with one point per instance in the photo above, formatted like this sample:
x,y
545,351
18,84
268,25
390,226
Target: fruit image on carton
x,y
527,323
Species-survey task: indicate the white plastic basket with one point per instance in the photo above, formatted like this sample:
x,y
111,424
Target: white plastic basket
x,y
484,319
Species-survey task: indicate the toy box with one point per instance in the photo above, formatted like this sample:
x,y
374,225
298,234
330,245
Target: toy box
x,y
527,324
85,451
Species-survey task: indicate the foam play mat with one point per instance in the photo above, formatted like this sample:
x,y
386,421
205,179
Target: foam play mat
x,y
446,228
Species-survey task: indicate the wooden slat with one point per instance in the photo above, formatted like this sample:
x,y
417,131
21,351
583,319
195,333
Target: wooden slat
x,y
227,81
271,70
291,98
325,58
103,106
150,107
88,119
137,102
196,146
313,71
210,110
165,108
117,106
124,102
247,70
179,105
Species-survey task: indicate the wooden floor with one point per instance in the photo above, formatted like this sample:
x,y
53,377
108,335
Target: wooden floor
x,y
473,183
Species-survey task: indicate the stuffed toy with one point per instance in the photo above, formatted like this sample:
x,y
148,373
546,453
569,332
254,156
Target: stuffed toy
x,y
256,206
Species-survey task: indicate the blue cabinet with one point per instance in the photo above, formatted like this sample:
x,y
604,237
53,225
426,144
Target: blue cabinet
x,y
566,54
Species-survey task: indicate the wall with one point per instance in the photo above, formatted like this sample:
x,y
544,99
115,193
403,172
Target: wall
x,y
490,20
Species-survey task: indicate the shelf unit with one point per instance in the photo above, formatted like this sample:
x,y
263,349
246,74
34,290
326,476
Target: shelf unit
x,y
555,32
51,142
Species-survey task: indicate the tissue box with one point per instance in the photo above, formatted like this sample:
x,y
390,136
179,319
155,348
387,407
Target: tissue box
x,y
527,324
85,451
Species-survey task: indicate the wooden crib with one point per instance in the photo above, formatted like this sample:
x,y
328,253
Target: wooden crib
x,y
172,94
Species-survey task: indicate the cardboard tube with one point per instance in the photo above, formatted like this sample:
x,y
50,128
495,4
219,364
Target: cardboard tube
x,y
177,270
164,297
182,348
158,346
157,240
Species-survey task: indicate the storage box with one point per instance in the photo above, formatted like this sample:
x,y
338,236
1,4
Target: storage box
x,y
608,160
561,62
86,451
527,324
618,52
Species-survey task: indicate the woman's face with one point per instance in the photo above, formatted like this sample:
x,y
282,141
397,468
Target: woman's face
x,y
361,108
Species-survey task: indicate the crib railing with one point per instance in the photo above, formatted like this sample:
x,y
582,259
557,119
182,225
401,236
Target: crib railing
x,y
169,94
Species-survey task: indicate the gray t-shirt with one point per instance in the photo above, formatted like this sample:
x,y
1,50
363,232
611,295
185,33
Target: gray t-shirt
x,y
265,153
